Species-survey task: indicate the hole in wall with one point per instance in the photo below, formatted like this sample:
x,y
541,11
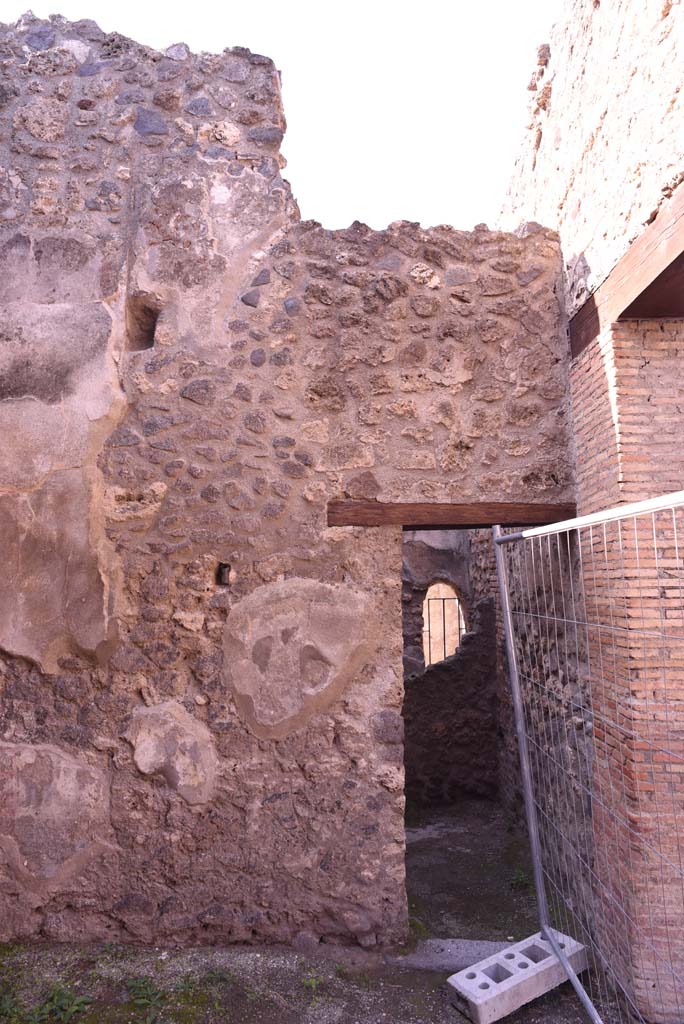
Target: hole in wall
x,y
222,574
142,314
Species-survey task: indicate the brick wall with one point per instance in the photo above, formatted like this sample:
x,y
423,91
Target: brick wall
x,y
627,399
602,151
627,393
648,356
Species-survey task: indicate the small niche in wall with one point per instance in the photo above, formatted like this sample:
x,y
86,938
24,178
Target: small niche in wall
x,y
142,314
222,574
443,622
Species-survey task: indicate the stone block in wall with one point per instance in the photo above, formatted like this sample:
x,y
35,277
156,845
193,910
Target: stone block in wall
x,y
169,742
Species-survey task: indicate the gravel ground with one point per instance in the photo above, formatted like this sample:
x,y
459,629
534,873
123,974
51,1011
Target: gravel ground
x,y
468,877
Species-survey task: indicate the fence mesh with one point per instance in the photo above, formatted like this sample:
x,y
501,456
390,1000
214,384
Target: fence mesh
x,y
597,650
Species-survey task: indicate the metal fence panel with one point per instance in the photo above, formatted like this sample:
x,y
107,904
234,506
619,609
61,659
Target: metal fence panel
x,y
594,620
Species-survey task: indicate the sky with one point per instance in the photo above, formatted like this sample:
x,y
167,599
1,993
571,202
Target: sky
x,y
396,109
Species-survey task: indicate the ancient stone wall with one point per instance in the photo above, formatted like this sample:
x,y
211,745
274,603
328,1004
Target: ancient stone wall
x,y
485,585
603,147
201,681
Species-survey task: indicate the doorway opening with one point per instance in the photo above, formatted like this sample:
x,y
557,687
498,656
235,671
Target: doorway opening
x,y
468,874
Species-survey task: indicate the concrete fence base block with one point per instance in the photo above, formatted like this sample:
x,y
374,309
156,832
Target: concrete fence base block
x,y
500,984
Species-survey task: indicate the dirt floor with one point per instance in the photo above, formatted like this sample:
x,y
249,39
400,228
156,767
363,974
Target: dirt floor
x,y
468,878
469,874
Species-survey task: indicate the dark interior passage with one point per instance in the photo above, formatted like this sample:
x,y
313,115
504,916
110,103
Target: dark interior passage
x,y
450,706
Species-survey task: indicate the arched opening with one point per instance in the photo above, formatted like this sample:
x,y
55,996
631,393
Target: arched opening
x,y
444,622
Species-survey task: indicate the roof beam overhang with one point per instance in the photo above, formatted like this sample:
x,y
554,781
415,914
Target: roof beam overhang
x,y
647,283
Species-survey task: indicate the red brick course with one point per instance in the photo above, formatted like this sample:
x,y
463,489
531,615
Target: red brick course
x,y
627,399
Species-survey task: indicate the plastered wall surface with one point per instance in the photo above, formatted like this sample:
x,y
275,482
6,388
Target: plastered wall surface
x,y
604,144
188,374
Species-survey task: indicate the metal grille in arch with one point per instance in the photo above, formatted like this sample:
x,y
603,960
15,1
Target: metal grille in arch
x,y
593,611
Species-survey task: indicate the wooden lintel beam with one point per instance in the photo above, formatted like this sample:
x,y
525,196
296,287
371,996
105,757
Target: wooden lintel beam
x,y
650,255
424,515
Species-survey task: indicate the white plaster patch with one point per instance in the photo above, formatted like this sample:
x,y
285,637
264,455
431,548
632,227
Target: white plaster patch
x,y
168,741
220,195
292,647
79,49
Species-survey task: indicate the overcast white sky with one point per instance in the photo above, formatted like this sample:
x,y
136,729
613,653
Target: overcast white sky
x,y
396,109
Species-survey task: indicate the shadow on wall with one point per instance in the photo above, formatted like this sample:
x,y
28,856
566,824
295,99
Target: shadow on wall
x,y
595,413
450,745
